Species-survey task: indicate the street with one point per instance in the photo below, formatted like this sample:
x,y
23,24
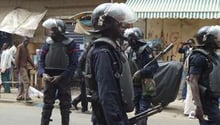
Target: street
x,y
12,112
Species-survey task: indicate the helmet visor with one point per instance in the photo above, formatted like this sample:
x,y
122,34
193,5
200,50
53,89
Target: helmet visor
x,y
49,23
121,13
215,31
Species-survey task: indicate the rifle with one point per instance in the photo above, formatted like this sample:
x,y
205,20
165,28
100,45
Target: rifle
x,y
133,120
151,111
160,54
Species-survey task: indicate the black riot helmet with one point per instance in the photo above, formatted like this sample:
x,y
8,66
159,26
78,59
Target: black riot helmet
x,y
135,33
213,37
200,36
106,15
57,26
135,37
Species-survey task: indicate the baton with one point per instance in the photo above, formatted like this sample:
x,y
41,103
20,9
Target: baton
x,y
160,54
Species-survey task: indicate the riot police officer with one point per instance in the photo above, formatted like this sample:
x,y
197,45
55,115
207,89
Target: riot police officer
x,y
107,70
58,61
204,81
80,75
139,55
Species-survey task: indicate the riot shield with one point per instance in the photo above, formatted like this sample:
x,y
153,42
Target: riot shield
x,y
167,78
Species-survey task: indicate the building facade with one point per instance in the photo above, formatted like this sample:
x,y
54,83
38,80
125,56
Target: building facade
x,y
174,21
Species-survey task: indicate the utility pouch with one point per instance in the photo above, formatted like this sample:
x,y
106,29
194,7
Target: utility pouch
x,y
149,87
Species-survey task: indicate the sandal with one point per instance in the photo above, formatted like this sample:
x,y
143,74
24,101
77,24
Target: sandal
x,y
28,99
19,98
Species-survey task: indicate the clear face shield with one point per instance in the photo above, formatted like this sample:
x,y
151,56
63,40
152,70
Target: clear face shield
x,y
49,23
134,36
218,38
215,31
128,32
51,26
131,38
121,13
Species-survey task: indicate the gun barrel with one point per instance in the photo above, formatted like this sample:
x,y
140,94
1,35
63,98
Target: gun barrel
x,y
145,114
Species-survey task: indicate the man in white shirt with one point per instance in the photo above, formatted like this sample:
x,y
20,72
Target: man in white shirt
x,y
6,60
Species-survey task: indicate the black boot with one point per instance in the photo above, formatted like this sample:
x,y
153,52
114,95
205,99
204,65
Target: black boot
x,y
76,101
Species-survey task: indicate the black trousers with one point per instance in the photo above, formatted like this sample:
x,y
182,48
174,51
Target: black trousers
x,y
61,91
82,96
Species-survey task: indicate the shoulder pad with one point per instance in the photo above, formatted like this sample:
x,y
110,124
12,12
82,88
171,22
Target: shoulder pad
x,y
142,48
68,41
105,40
49,40
202,51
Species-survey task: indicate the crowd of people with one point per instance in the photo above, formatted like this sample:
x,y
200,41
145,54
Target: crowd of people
x,y
14,61
118,81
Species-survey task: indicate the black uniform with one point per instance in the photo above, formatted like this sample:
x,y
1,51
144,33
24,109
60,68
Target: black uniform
x,y
57,59
105,63
80,74
200,64
138,59
107,70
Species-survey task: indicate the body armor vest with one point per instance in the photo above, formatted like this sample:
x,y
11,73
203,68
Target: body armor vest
x,y
213,81
121,72
132,59
56,57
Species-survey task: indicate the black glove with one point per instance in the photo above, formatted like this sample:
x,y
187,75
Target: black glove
x,y
56,79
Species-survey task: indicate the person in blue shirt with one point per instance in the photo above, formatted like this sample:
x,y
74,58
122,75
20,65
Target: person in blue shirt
x,y
139,55
185,48
201,65
106,66
58,61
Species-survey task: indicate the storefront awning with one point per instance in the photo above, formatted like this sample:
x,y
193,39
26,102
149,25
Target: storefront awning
x,y
21,22
176,9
